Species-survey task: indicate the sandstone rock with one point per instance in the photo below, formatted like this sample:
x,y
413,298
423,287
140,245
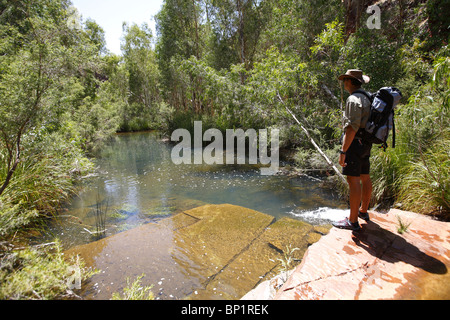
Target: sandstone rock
x,y
376,263
210,252
261,259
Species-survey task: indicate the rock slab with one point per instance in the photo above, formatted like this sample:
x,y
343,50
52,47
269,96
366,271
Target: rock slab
x,y
376,263
210,252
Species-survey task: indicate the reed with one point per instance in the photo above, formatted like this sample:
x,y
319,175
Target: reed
x,y
42,182
100,219
287,261
39,273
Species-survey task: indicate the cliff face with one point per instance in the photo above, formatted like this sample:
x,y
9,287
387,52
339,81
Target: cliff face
x,y
376,263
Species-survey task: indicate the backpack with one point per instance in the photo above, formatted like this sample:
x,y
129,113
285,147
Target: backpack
x,y
381,120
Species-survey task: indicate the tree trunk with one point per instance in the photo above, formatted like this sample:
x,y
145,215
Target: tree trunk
x,y
197,53
12,169
240,9
354,9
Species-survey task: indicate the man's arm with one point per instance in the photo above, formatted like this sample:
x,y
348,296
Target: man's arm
x,y
349,136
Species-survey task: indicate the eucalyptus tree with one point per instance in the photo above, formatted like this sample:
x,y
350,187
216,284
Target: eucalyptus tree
x,y
177,26
50,68
32,57
143,75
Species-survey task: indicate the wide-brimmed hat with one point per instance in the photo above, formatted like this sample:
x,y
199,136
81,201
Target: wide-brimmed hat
x,y
355,74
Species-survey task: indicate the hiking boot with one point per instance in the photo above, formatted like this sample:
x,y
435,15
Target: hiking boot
x,y
346,224
364,216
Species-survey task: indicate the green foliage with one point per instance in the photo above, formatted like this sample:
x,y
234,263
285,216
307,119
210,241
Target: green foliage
x,y
426,182
177,25
439,21
38,274
372,52
415,173
208,89
135,291
287,261
42,181
277,74
415,66
55,105
226,63
294,24
143,79
96,35
329,45
441,79
49,78
14,217
93,120
403,226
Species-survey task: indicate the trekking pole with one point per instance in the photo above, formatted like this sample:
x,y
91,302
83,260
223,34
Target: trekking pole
x,y
330,163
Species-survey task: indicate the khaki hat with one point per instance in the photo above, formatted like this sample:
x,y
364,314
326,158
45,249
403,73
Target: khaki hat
x,y
355,74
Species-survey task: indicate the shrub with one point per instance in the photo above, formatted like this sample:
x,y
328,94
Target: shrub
x,y
44,179
425,186
416,172
38,274
134,291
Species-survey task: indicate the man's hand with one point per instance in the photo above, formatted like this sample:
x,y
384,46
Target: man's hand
x,y
342,160
349,135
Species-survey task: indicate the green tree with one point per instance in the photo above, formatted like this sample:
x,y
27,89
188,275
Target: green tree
x,y
143,76
236,29
31,61
49,65
96,36
177,26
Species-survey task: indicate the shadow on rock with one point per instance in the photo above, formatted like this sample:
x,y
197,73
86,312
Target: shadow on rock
x,y
392,248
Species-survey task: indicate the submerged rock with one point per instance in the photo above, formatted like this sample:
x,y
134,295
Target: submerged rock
x,y
210,252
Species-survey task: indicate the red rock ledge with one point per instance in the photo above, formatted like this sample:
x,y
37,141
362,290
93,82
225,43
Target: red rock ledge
x,y
374,264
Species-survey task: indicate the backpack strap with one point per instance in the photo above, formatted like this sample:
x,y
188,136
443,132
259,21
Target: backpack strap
x,y
368,95
361,132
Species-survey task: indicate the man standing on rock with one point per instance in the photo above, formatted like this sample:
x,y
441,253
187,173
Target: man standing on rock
x,y
355,152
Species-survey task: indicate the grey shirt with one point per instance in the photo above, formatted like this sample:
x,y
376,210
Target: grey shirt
x,y
357,111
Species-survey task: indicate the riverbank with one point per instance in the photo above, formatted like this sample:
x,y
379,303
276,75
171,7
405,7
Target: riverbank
x,y
377,263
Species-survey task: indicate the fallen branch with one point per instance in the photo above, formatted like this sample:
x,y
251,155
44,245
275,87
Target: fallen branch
x,y
330,163
330,93
39,246
94,233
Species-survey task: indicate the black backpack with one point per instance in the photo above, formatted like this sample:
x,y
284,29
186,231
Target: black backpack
x,y
381,120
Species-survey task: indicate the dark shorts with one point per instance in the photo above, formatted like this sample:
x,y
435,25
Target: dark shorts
x,y
357,159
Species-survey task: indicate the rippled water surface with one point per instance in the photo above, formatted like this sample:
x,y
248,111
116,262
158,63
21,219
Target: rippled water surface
x,y
138,183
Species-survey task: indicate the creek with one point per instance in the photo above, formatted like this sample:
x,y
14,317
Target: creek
x,y
138,184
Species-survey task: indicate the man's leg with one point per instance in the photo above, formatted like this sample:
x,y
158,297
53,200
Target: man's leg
x,y
355,197
355,201
366,192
